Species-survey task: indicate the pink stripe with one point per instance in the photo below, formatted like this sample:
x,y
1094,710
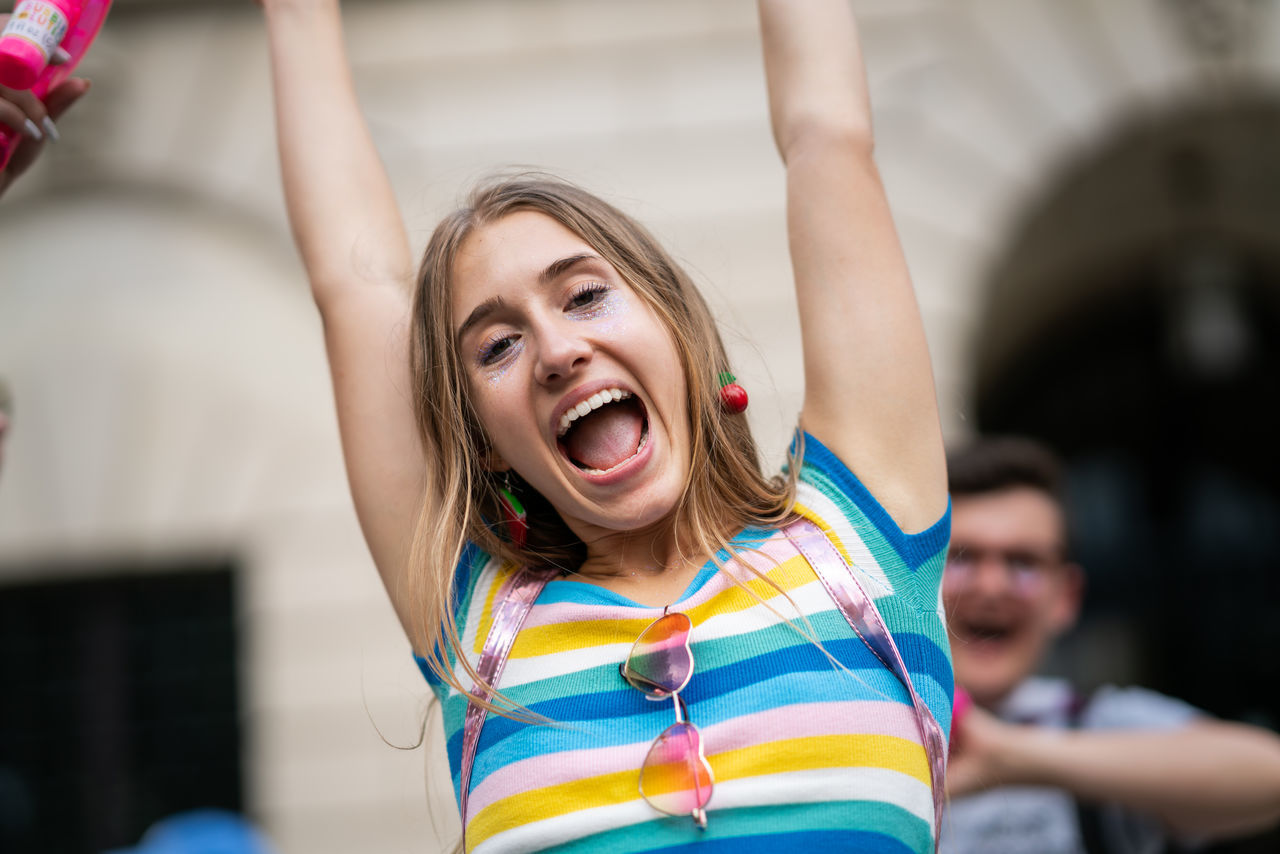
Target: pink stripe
x,y
552,769
568,613
801,720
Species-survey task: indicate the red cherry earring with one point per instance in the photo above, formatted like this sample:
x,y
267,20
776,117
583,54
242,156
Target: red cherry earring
x,y
513,513
733,397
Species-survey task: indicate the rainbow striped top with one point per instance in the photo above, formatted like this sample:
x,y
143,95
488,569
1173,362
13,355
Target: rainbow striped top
x,y
807,754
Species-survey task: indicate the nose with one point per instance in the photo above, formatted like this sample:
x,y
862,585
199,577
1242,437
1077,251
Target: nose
x,y
991,576
562,350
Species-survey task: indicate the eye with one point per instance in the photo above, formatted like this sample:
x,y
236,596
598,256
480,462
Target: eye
x,y
495,347
587,294
1024,563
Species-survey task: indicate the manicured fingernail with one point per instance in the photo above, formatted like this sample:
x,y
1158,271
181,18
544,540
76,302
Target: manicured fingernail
x,y
32,131
51,129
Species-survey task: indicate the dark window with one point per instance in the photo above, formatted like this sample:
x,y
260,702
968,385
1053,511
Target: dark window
x,y
120,706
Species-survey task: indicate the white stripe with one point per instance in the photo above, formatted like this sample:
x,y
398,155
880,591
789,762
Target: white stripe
x,y
854,546
521,671
817,785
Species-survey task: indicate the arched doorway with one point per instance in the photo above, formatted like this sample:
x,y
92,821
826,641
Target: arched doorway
x,y
1135,327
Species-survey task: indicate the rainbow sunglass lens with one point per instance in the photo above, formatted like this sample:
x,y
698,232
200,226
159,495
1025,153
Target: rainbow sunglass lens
x,y
661,662
675,778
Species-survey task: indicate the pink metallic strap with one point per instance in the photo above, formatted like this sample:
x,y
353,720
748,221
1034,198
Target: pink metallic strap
x,y
512,605
862,614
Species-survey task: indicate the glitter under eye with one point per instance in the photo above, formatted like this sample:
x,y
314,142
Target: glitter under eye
x,y
604,301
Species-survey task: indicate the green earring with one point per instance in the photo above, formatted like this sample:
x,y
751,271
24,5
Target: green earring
x,y
513,513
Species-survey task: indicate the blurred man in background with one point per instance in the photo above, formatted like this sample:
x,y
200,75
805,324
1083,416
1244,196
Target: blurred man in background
x,y
1036,767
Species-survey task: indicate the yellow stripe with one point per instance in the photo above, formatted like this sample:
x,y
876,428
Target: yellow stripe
x,y
774,757
825,751
810,514
534,641
486,614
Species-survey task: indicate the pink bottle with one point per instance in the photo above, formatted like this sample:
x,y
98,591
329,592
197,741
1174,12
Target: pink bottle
x,y
33,33
35,30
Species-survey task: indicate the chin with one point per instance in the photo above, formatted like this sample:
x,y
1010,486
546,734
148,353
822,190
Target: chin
x,y
985,687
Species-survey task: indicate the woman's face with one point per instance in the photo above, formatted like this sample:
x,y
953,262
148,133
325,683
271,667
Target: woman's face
x,y
577,382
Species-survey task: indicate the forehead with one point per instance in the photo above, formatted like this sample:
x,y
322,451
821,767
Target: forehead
x,y
1018,516
504,258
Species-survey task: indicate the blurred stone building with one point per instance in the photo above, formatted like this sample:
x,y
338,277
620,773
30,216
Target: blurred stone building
x,y
1087,190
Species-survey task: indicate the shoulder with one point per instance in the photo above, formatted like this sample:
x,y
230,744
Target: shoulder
x,y
830,494
477,579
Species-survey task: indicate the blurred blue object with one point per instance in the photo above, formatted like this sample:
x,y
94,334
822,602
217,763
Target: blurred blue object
x,y
204,831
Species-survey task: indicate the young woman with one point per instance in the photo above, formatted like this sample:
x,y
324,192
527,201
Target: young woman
x,y
549,356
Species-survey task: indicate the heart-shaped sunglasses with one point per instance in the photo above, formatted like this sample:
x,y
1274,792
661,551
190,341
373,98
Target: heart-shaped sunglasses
x,y
675,778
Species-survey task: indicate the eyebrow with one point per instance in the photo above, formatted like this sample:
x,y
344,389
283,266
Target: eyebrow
x,y
553,271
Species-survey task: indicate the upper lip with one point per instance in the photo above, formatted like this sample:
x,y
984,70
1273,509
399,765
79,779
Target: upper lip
x,y
579,394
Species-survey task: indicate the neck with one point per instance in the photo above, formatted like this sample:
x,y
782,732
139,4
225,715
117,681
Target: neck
x,y
630,554
652,567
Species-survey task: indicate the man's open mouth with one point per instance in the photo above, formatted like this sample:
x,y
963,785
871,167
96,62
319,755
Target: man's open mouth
x,y
983,630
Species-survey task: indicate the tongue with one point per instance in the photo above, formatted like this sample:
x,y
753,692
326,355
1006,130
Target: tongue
x,y
605,437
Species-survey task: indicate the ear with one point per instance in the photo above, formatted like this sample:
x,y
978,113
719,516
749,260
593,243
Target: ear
x,y
1066,609
494,462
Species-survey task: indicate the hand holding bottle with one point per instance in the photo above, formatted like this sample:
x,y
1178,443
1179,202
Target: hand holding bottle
x,y
42,43
30,122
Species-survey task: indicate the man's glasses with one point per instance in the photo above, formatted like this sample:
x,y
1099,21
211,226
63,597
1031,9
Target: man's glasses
x,y
1025,568
675,778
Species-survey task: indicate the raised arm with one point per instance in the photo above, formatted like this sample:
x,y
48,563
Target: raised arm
x,y
352,240
869,392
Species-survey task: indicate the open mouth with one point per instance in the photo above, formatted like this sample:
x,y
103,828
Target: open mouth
x,y
604,431
979,631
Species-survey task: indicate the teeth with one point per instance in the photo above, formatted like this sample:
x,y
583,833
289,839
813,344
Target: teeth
x,y
595,401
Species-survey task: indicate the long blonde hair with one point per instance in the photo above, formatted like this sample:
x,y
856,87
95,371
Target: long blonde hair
x,y
724,489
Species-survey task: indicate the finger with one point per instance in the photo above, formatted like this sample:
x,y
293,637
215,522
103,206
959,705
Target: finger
x,y
60,57
65,94
23,100
12,116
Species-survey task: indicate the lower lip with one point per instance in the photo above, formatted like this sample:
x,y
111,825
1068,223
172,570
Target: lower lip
x,y
987,645
622,470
